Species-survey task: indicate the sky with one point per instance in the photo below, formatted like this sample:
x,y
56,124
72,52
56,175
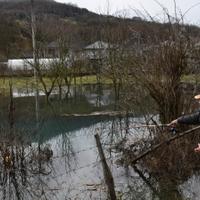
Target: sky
x,y
128,7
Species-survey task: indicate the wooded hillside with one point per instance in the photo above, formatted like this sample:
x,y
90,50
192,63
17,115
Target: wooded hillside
x,y
82,26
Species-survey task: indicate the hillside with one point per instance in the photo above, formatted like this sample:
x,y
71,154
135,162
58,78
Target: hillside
x,y
79,25
15,35
20,9
19,0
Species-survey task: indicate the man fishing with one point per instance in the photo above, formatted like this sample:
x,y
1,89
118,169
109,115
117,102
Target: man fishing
x,y
191,119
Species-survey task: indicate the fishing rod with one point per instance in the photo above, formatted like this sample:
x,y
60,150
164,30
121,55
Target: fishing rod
x,y
173,130
149,125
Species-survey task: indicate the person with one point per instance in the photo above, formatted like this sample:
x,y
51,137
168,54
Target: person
x,y
197,149
190,119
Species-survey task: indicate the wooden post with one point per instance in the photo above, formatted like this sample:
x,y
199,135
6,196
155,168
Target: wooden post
x,y
33,32
11,107
106,171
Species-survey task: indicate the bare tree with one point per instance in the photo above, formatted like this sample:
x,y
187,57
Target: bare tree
x,y
114,58
160,66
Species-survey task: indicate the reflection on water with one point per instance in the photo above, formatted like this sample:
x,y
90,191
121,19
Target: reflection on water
x,y
61,161
95,94
190,188
23,167
66,166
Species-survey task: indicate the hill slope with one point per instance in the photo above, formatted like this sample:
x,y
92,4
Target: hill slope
x,y
80,24
20,9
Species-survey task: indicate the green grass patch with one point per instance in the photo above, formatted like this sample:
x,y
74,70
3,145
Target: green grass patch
x,y
29,82
191,78
90,80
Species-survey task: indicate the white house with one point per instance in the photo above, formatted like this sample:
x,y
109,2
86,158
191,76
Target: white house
x,y
97,50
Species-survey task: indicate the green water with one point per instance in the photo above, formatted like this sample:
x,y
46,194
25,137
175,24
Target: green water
x,y
74,171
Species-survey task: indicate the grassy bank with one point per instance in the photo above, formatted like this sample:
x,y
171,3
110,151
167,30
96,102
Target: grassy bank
x,y
193,79
29,82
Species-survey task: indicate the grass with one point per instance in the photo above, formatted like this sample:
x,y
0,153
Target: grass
x,y
29,82
90,80
191,78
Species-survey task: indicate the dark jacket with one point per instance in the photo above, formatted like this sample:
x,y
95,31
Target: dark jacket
x,y
192,119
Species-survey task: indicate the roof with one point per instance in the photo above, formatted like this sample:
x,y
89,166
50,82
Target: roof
x,y
53,44
197,45
98,45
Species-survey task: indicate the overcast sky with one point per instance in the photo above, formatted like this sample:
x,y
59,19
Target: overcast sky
x,y
117,6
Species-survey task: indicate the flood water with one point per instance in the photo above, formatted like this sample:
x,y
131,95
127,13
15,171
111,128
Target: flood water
x,y
73,169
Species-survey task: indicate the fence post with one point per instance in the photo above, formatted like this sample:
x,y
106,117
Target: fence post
x,y
106,171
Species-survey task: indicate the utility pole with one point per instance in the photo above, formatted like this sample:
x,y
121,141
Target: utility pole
x,y
35,63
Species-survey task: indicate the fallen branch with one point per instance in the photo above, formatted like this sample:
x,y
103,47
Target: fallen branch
x,y
165,142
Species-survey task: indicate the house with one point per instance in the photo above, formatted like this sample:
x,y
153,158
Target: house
x,y
53,49
97,50
3,67
96,53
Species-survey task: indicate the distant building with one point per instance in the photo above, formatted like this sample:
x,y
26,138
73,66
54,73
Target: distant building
x,y
97,50
3,67
53,49
97,53
27,64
